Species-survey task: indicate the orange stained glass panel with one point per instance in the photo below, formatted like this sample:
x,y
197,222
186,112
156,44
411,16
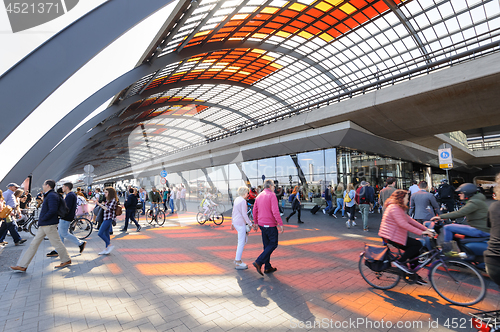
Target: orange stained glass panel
x,y
179,269
328,19
306,18
298,24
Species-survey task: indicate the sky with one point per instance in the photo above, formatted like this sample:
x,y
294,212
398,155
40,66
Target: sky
x,y
98,72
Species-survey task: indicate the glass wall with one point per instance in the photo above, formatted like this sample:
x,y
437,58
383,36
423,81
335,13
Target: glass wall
x,y
313,170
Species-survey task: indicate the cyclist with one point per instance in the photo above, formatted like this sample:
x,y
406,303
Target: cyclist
x,y
395,227
252,194
154,198
207,205
476,212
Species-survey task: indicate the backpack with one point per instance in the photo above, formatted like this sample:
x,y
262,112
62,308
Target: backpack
x,y
62,210
347,198
377,258
362,196
291,198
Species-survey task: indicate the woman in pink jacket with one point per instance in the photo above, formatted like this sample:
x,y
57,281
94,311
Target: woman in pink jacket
x,y
395,227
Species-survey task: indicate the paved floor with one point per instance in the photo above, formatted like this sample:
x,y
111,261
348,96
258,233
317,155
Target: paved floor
x,y
181,277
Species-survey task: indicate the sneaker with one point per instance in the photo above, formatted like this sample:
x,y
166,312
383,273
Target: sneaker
x,y
82,246
344,217
109,249
4,243
63,264
20,242
421,281
365,229
138,228
104,252
241,266
324,212
53,253
402,267
348,224
353,223
334,216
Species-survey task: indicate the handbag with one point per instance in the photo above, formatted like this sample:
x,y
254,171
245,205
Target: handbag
x,y
5,212
249,228
119,210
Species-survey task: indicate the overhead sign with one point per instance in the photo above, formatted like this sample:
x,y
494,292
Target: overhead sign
x,y
445,158
163,174
88,168
88,180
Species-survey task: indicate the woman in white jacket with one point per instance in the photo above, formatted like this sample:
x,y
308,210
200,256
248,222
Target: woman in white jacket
x,y
240,221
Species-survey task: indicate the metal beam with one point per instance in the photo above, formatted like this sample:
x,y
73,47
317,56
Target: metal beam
x,y
40,73
409,27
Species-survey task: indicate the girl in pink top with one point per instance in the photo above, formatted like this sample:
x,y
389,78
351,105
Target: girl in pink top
x,y
240,221
395,227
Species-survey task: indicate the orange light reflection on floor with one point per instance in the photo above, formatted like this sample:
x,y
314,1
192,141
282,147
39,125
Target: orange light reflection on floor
x,y
114,268
148,250
375,310
205,235
167,228
143,258
307,240
376,239
179,269
131,237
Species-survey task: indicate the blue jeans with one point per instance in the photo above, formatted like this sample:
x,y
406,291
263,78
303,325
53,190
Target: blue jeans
x,y
466,230
130,215
63,230
9,227
328,205
106,228
143,206
340,205
270,241
364,209
171,203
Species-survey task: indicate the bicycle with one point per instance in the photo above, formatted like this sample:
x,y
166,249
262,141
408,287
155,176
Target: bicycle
x,y
250,211
486,321
81,227
213,215
455,280
155,214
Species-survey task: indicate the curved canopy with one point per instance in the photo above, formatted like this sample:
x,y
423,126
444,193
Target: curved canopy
x,y
241,63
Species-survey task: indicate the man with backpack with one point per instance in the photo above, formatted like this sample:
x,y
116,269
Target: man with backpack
x,y
65,222
47,222
364,198
446,195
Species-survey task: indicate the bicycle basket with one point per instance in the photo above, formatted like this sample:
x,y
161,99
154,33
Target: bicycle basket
x,y
377,258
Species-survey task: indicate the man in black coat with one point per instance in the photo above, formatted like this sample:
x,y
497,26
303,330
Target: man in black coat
x,y
130,209
47,223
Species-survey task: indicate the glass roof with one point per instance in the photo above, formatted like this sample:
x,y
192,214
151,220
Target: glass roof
x,y
251,61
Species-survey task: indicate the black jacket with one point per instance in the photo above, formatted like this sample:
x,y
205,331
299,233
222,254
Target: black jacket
x,y
131,202
71,204
48,214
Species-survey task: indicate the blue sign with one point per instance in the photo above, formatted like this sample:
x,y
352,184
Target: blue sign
x,y
163,174
445,155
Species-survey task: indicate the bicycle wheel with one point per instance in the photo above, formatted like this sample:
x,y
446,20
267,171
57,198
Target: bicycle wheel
x,y
457,282
33,227
149,216
200,218
221,208
217,218
137,215
382,280
160,218
81,228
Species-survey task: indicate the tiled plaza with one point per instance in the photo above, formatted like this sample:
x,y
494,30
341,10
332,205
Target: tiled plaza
x,y
181,277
